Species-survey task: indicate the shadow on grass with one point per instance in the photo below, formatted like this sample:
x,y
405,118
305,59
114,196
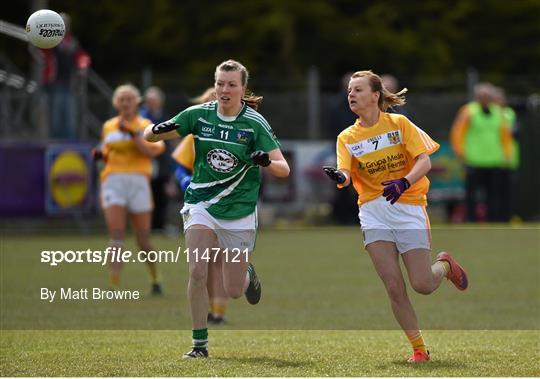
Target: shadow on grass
x,y
264,361
426,366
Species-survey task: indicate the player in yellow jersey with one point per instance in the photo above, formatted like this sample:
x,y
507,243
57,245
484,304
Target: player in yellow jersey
x,y
386,157
184,156
125,186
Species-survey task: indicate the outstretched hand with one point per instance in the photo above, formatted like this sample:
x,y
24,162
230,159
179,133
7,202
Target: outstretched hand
x,y
164,127
335,174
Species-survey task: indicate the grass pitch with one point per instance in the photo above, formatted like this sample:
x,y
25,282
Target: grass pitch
x,y
324,312
267,353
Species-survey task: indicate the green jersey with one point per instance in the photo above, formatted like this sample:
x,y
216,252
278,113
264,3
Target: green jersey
x,y
225,181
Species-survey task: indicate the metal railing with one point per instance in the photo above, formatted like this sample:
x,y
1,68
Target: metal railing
x,y
23,101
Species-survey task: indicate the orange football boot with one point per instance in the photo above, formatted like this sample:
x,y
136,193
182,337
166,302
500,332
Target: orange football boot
x,y
457,274
419,356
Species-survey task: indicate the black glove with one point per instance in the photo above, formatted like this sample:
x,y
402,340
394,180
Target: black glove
x,y
124,129
164,127
97,154
334,174
260,158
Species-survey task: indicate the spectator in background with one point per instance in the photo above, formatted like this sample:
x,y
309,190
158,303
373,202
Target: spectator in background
x,y
125,188
510,171
61,66
391,83
152,109
481,139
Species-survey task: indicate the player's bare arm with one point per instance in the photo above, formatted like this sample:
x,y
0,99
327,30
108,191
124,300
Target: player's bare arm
x,y
150,149
420,168
278,165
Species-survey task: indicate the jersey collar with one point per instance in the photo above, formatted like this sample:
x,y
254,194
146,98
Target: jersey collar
x,y
231,118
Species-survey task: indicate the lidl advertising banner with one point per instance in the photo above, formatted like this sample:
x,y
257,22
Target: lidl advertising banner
x,y
68,179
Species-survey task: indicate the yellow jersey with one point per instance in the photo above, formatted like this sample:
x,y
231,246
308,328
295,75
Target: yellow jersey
x,y
120,151
384,151
184,154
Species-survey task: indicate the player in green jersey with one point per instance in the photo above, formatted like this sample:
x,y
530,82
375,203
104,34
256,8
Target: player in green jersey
x,y
231,141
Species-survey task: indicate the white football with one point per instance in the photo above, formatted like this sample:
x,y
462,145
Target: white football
x,y
45,29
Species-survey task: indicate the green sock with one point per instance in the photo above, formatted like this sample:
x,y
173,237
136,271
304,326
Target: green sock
x,y
200,338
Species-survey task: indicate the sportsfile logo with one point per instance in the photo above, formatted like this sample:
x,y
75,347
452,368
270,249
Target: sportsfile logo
x,y
117,254
111,254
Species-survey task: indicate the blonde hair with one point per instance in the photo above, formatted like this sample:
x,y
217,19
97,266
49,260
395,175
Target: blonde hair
x,y
128,87
387,99
208,95
249,97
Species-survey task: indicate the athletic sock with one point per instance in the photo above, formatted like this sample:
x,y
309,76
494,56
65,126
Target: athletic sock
x,y
446,267
114,279
417,341
200,338
154,275
218,309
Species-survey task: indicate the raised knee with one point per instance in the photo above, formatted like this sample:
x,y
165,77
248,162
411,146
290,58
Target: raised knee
x,y
234,292
422,287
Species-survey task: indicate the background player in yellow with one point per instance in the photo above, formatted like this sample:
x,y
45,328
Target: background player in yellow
x,y
125,186
386,157
184,156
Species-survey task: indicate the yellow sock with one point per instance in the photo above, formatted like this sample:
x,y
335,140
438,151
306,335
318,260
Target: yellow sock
x,y
417,341
154,276
218,309
114,279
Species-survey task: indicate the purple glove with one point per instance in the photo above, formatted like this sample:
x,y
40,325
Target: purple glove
x,y
393,189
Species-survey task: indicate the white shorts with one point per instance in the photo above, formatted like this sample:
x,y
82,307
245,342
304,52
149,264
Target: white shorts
x,y
406,225
127,190
231,234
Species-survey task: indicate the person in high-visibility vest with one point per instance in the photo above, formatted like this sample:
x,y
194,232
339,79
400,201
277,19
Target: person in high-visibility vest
x,y
481,138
